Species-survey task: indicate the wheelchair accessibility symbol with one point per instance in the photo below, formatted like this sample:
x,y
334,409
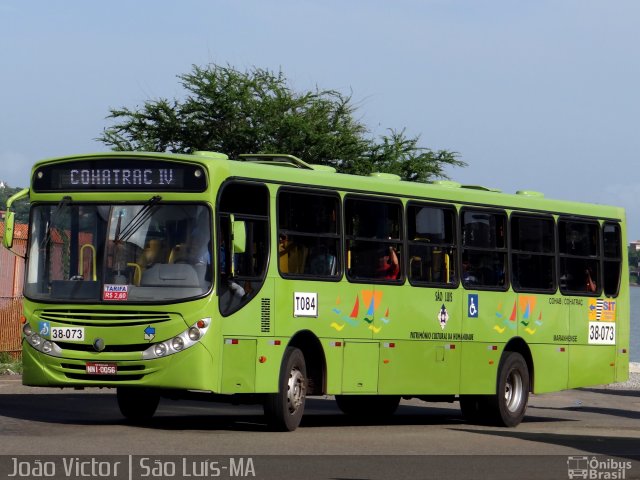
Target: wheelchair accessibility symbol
x,y
44,329
472,306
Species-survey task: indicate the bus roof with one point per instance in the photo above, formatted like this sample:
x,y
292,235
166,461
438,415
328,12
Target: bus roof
x,y
289,170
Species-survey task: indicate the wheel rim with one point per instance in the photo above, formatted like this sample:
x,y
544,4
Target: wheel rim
x,y
513,391
296,390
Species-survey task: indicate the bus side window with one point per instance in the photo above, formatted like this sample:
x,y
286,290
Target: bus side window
x,y
484,247
374,239
579,257
612,258
308,234
432,244
533,253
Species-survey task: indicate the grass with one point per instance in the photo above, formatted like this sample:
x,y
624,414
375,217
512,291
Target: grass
x,y
10,363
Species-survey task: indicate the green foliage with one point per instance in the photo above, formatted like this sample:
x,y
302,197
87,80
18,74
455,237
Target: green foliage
x,y
235,112
21,208
10,363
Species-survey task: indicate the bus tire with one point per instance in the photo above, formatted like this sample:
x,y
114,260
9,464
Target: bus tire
x,y
363,406
284,409
137,404
509,404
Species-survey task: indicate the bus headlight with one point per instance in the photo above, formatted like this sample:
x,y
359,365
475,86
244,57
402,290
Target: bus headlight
x,y
40,343
180,342
177,344
160,349
194,333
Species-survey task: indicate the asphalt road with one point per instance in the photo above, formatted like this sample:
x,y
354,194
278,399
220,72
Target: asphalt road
x,y
421,441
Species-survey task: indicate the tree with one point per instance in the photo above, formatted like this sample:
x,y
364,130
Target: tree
x,y
256,111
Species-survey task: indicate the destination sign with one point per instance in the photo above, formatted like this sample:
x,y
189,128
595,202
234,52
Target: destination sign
x,y
120,174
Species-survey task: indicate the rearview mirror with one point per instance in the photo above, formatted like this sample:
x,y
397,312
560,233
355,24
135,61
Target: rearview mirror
x,y
239,235
9,221
10,218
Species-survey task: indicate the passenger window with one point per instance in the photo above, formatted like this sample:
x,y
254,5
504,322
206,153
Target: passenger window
x,y
612,258
308,234
484,249
432,245
579,259
533,254
373,239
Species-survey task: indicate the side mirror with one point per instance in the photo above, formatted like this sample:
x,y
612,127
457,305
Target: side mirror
x,y
10,218
9,221
239,235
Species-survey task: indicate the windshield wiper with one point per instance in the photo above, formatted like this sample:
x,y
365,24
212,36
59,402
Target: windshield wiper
x,y
53,219
137,221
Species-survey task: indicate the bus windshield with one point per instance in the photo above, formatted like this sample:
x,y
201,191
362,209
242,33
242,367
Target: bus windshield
x,y
147,252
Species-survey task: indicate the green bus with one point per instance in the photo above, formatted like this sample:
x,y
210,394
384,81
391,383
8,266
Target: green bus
x,y
266,279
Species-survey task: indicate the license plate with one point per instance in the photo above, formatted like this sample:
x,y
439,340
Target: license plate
x,y
95,368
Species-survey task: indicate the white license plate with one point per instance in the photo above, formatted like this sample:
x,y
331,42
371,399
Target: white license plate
x,y
67,334
96,368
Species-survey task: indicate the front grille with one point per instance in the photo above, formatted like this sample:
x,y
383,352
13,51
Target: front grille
x,y
82,347
95,318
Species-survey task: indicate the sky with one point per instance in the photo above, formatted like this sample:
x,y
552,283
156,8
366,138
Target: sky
x,y
538,95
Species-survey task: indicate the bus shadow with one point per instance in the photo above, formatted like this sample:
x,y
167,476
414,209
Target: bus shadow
x,y
77,408
608,391
101,409
615,412
626,447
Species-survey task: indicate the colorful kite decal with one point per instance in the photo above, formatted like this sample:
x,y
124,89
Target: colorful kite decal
x,y
371,300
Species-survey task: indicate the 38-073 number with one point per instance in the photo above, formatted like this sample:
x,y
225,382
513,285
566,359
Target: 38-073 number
x,y
603,333
68,334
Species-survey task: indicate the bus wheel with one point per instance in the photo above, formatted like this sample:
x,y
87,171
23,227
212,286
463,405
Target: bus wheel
x,y
362,406
509,404
284,409
137,404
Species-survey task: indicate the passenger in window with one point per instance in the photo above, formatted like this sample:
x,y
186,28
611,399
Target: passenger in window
x,y
468,276
196,250
227,281
322,261
590,284
292,255
388,265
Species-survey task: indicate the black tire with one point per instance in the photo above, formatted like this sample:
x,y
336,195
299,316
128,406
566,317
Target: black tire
x,y
284,409
137,404
509,404
368,406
